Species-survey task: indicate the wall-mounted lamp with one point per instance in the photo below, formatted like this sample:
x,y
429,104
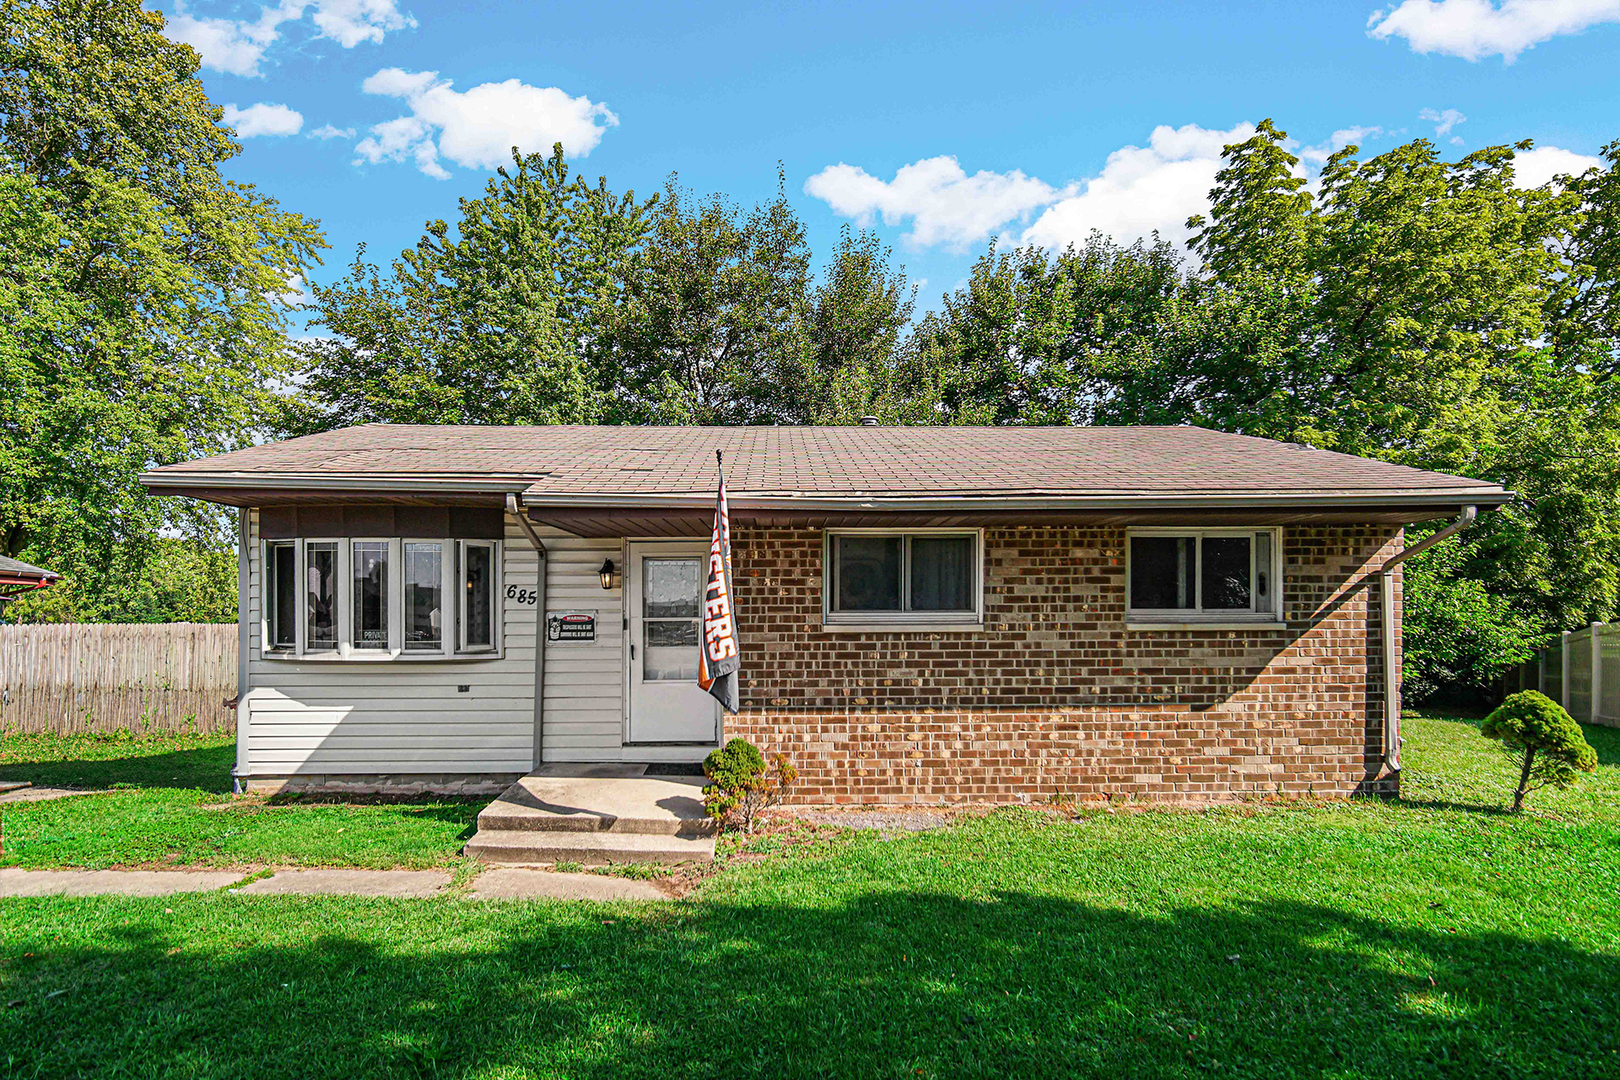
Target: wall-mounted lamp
x,y
607,573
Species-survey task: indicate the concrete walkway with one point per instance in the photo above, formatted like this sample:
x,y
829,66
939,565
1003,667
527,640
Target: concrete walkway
x,y
14,882
519,883
30,793
507,883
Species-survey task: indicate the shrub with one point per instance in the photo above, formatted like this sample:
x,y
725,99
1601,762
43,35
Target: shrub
x,y
1542,739
742,783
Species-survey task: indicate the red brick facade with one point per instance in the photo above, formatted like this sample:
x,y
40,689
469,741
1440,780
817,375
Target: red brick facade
x,y
1055,697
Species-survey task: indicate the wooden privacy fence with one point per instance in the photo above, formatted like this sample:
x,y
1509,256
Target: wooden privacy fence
x,y
1580,671
76,677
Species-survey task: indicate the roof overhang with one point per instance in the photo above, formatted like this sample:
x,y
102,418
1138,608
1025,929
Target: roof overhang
x,y
688,513
278,489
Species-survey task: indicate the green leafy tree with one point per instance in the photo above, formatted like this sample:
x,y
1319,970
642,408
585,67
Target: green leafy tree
x,y
856,317
1542,739
1459,636
142,296
712,326
502,321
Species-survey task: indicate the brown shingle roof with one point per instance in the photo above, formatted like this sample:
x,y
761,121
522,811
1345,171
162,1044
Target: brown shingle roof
x,y
579,463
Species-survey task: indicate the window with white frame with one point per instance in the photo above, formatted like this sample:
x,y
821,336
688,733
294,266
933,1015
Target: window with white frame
x,y
914,576
1210,574
380,597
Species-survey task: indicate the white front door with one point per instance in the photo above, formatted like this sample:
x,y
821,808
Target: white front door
x,y
664,586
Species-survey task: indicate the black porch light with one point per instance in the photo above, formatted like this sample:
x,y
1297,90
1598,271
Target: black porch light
x,y
607,573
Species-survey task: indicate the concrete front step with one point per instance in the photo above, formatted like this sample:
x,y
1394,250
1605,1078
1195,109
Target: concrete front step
x,y
594,848
625,803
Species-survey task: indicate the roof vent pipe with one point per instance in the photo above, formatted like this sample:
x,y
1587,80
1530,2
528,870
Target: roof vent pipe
x,y
869,421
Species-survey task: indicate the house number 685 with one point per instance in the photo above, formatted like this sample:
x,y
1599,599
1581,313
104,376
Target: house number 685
x,y
521,596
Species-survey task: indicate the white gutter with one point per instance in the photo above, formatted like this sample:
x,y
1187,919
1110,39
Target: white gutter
x,y
244,707
1386,615
372,482
542,566
968,502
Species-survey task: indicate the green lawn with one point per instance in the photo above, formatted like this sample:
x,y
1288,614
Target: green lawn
x,y
170,805
1435,937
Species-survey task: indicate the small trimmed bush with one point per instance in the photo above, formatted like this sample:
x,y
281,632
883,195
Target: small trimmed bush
x,y
742,783
1542,739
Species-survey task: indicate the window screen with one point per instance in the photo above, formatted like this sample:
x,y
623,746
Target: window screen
x,y
320,572
903,573
282,590
369,616
478,601
1216,571
424,597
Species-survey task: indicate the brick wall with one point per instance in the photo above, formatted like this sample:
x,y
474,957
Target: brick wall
x,y
1055,698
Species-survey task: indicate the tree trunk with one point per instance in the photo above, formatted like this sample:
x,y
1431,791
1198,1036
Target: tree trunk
x,y
1524,778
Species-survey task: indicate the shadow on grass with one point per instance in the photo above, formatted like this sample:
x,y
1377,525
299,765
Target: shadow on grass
x,y
1606,741
206,768
892,985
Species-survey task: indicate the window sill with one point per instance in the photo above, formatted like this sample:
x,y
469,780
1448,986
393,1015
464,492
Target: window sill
x,y
1138,623
897,626
377,658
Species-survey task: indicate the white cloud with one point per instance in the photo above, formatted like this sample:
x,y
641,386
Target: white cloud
x,y
1318,155
1443,120
1532,168
327,131
236,46
263,119
944,204
1474,29
349,22
478,128
1143,189
1140,190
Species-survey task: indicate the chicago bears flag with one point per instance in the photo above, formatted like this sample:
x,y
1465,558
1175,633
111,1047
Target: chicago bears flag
x,y
718,657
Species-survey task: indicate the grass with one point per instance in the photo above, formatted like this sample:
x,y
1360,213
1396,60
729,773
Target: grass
x,y
168,804
1434,937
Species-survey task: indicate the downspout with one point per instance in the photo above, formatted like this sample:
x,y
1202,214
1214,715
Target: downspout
x,y
244,707
1386,615
539,626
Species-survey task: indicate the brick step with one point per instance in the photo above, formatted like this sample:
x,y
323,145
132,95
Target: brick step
x,y
587,848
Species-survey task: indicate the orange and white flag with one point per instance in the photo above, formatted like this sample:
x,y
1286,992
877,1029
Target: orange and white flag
x,y
719,658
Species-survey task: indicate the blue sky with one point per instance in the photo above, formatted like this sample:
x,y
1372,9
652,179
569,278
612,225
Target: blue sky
x,y
939,124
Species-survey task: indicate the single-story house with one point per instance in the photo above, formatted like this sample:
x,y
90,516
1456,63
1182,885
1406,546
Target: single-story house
x,y
926,614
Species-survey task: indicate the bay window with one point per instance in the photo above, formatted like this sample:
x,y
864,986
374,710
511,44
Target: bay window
x,y
372,598
1192,575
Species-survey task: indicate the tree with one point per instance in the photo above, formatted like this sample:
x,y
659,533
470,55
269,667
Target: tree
x,y
504,322
712,327
856,316
1542,739
1459,636
142,296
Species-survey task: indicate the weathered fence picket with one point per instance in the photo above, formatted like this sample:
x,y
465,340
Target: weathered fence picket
x,y
78,677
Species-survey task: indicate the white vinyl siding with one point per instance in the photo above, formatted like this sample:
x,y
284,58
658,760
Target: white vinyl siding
x,y
584,694
335,717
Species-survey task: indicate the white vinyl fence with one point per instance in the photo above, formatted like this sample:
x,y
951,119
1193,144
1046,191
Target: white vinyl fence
x,y
1580,671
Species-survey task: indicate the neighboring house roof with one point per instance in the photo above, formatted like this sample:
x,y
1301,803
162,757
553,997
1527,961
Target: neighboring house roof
x,y
874,469
17,572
